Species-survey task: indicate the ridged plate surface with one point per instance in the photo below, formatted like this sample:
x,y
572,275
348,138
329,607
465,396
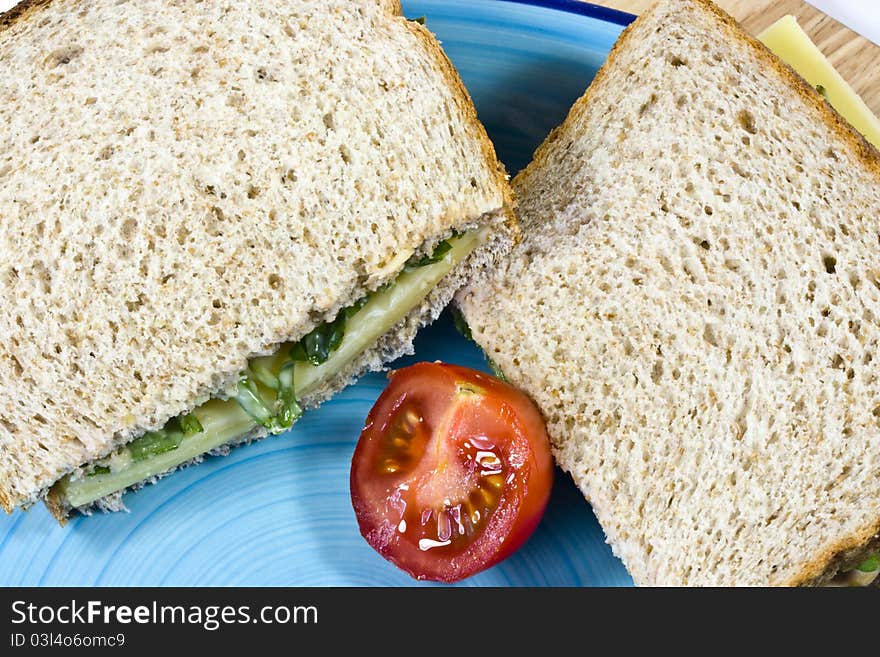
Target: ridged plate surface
x,y
278,512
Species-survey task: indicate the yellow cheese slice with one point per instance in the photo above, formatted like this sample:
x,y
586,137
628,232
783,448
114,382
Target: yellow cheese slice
x,y
792,45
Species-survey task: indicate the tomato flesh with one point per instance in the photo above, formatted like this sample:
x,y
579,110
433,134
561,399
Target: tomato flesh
x,y
452,471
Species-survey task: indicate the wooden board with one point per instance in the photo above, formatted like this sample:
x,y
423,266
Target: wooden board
x,y
857,59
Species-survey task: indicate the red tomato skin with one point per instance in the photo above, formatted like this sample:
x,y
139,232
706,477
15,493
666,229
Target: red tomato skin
x,y
432,389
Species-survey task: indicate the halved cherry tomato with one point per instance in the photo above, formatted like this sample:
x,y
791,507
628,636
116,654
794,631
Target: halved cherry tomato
x,y
452,471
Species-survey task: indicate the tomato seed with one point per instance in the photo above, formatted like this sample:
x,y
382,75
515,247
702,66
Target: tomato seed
x,y
457,516
496,481
390,467
444,527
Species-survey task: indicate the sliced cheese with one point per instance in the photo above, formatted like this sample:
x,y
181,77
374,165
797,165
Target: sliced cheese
x,y
792,45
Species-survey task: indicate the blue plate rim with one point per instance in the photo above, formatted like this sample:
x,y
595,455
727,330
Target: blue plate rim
x,y
599,12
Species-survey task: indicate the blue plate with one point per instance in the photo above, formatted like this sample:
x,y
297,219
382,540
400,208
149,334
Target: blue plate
x,y
277,512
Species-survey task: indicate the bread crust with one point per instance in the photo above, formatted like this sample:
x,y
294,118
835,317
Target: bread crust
x,y
21,11
466,106
56,507
845,553
839,557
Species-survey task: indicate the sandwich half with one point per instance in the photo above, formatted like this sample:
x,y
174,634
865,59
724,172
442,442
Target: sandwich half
x,y
695,307
216,214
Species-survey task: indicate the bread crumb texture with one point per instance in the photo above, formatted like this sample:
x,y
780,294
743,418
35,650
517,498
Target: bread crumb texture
x,y
695,307
186,185
391,346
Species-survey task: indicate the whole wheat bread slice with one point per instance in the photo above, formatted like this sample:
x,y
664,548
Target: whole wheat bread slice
x,y
695,307
186,185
